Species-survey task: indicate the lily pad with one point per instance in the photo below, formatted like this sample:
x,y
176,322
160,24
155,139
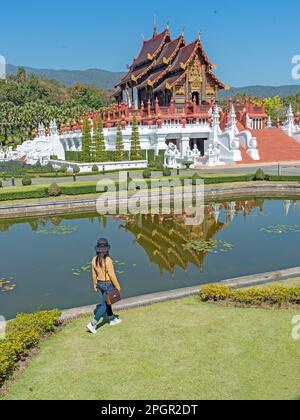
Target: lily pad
x,y
58,230
6,285
213,247
281,229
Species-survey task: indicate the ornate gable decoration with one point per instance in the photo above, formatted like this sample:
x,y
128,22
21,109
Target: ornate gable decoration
x,y
195,76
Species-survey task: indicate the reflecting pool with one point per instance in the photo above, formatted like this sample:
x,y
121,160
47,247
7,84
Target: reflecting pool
x,y
45,262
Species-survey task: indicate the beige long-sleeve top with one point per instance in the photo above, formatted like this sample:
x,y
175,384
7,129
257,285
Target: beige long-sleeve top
x,y
105,273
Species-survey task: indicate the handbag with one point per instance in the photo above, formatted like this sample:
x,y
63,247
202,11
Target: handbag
x,y
114,295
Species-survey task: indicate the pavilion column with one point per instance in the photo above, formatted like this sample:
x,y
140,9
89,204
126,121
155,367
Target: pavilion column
x,y
217,94
204,83
185,144
187,88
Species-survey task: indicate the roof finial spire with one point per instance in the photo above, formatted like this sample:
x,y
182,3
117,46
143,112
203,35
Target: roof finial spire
x,y
168,24
155,27
183,31
200,34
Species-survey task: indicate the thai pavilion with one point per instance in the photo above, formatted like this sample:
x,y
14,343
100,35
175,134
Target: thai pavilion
x,y
169,69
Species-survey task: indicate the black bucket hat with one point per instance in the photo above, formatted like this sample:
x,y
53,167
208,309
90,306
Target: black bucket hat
x,y
102,246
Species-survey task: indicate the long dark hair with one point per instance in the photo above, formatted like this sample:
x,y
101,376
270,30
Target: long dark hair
x,y
101,257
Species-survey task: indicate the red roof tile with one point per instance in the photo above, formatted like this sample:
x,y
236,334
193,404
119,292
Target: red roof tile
x,y
151,48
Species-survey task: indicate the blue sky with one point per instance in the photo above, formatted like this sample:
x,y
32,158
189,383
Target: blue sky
x,y
252,42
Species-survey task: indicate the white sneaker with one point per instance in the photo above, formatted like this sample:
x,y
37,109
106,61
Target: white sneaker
x,y
116,321
91,329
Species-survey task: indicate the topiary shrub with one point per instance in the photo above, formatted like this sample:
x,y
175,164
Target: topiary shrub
x,y
64,169
95,168
76,169
167,171
147,173
26,181
260,175
54,190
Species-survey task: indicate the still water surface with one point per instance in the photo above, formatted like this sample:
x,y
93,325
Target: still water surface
x,y
45,261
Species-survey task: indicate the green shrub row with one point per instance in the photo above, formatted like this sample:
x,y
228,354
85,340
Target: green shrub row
x,y
78,189
23,334
25,194
273,295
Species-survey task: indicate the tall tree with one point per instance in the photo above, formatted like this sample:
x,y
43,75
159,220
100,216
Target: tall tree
x,y
135,153
86,141
99,141
119,154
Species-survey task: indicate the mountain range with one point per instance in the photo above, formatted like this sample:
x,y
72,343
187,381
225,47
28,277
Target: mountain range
x,y
106,80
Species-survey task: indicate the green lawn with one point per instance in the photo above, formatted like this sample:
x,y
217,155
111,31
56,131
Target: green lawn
x,y
175,350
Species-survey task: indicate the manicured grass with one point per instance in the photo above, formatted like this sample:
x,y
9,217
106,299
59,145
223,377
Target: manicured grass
x,y
288,283
176,350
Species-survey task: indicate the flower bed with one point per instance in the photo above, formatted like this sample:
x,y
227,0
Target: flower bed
x,y
272,296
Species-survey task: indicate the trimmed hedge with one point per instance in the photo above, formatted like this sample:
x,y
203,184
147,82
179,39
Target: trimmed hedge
x,y
273,295
27,193
284,178
23,334
221,179
41,191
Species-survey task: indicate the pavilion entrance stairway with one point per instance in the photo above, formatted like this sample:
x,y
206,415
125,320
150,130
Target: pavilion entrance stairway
x,y
273,146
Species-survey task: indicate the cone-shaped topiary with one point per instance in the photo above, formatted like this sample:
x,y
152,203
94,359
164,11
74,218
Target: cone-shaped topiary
x,y
99,141
135,153
119,154
86,141
260,175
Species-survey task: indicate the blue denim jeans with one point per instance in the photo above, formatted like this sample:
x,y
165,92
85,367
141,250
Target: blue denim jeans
x,y
102,309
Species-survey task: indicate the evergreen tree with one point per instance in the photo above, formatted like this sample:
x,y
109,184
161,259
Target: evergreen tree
x,y
99,141
86,141
119,154
135,153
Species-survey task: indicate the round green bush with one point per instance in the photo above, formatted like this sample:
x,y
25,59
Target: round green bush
x,y
26,181
76,169
64,169
54,190
167,172
95,168
147,173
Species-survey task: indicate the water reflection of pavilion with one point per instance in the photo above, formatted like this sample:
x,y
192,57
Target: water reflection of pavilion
x,y
163,238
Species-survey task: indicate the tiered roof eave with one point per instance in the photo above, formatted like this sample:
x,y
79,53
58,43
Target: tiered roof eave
x,y
172,57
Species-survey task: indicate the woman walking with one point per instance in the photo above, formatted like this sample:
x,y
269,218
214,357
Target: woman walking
x,y
104,280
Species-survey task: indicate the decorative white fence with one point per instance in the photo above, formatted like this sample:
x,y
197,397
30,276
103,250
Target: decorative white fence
x,y
103,166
